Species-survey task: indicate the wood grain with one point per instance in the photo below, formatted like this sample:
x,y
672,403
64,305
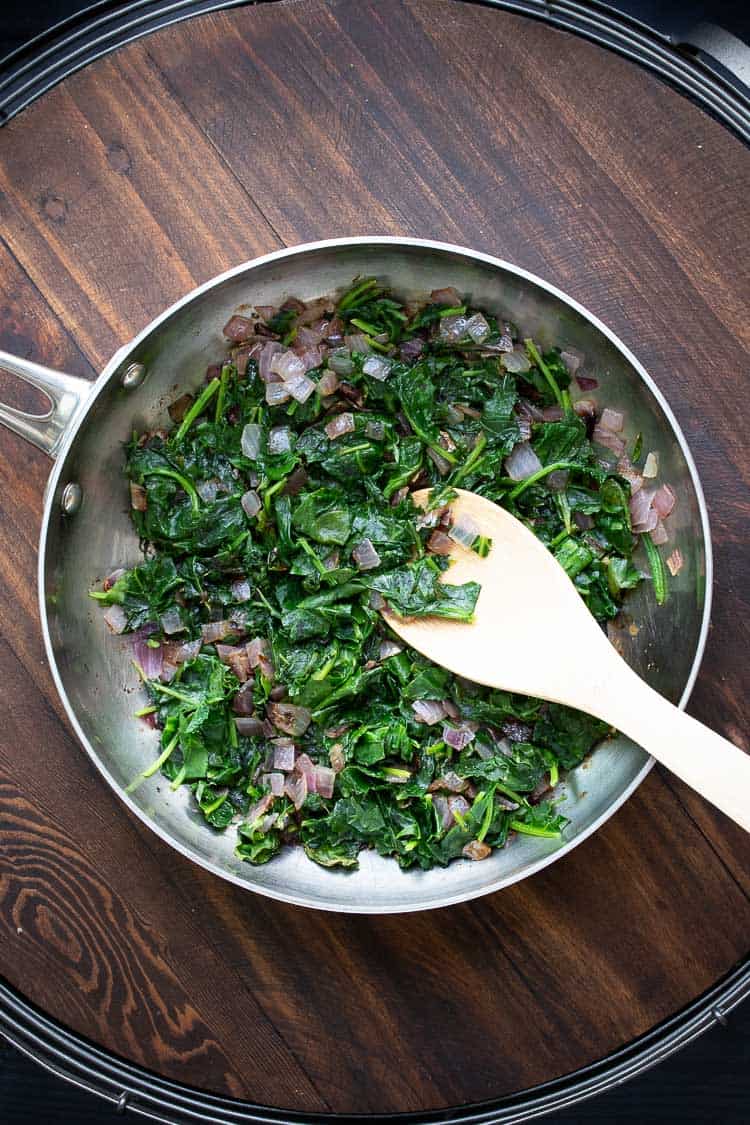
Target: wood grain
x,y
222,138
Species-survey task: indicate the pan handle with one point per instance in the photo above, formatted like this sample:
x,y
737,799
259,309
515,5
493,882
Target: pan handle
x,y
67,394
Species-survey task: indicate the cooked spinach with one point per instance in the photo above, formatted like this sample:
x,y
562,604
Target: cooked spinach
x,y
277,521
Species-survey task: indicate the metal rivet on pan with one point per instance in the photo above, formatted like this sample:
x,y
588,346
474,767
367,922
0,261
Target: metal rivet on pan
x,y
133,376
70,501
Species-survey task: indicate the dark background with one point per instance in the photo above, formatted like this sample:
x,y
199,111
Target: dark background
x,y
707,1081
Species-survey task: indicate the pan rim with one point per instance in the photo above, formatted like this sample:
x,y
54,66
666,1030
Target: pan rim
x,y
103,381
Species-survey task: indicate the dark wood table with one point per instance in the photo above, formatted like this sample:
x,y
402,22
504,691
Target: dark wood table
x,y
225,137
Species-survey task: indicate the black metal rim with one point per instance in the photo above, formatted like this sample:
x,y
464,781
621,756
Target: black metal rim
x,y
24,76
139,1091
46,60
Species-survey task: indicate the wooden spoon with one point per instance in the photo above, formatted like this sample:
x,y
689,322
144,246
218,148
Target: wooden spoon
x,y
533,634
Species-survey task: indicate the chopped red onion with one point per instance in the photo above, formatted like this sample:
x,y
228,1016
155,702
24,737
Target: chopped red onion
x,y
306,766
171,622
251,503
187,651
664,501
631,475
250,441
609,439
289,718
279,439
295,788
339,425
516,361
449,297
283,755
150,660
309,337
287,364
611,420
651,466
377,601
296,482
457,737
179,408
116,619
440,543
389,648
375,430
277,394
208,490
476,850
587,382
411,349
464,532
313,357
300,387
453,328
450,780
458,805
216,631
365,555
241,591
138,497
238,328
266,312
378,367
259,808
585,408
275,782
522,462
451,709
336,757
265,359
647,524
429,711
675,562
640,506
553,413
445,816
113,578
248,726
659,535
572,360
257,652
558,481
477,328
340,362
328,383
325,779
243,704
440,463
358,343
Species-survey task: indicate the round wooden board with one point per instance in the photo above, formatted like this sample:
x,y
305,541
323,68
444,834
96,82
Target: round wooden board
x,y
225,137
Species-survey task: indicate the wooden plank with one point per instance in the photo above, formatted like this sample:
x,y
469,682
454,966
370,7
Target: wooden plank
x,y
128,208
199,147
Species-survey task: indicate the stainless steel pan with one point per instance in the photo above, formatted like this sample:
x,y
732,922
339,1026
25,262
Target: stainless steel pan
x,y
86,533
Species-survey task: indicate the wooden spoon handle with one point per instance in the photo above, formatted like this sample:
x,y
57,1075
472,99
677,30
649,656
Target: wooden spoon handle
x,y
712,765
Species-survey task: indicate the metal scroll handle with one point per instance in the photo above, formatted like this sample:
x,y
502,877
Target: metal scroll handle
x,y
67,394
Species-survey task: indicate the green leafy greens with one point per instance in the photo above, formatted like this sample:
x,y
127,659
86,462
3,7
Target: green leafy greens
x,y
277,520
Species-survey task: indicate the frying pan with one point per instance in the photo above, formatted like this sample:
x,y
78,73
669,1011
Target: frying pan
x,y
86,533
